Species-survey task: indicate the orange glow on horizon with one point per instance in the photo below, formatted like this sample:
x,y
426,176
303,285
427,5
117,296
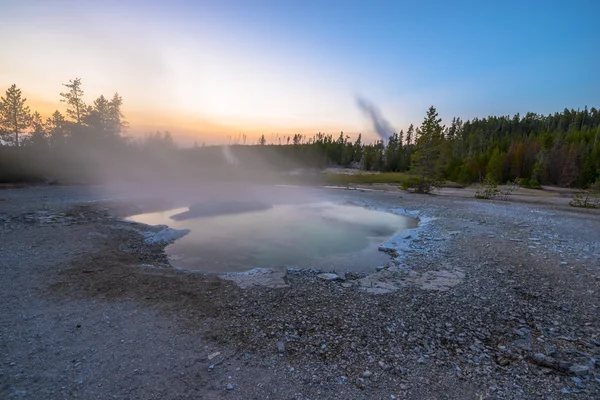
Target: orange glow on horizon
x,y
188,129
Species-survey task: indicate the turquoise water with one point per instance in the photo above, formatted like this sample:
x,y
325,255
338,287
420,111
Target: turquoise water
x,y
326,236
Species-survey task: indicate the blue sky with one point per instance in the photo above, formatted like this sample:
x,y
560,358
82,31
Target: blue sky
x,y
208,69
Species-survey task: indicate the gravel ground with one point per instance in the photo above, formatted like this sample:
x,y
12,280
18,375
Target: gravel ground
x,y
493,300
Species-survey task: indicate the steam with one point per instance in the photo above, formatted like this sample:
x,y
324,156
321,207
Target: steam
x,y
380,124
228,154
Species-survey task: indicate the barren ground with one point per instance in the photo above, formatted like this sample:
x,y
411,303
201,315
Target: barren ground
x,y
88,310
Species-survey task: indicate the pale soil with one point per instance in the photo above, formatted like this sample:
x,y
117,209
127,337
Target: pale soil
x,y
87,310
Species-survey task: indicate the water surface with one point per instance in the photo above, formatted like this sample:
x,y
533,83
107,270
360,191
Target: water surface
x,y
326,236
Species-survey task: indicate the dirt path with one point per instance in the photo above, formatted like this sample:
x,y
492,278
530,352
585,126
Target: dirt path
x,y
88,310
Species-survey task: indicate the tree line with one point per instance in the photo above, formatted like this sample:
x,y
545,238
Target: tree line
x,y
558,149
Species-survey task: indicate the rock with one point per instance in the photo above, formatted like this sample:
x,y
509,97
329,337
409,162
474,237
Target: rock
x,y
367,374
544,360
383,365
213,355
329,277
347,284
281,347
229,386
502,361
523,344
579,370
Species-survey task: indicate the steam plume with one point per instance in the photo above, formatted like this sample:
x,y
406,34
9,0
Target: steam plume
x,y
228,154
380,124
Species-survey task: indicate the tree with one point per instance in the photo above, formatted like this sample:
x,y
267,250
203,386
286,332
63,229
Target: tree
x,y
74,99
115,116
358,149
57,128
495,170
97,117
425,161
158,142
262,141
38,136
409,134
15,116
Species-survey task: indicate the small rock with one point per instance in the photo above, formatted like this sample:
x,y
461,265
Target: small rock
x,y
213,355
281,347
579,370
229,386
367,374
383,365
346,284
329,277
502,361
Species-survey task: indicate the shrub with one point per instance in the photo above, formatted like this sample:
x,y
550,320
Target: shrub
x,y
589,198
488,190
531,183
418,184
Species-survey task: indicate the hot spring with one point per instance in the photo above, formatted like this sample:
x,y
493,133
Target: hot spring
x,y
323,235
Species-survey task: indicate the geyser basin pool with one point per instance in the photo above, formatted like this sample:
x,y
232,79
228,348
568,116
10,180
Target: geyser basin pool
x,y
324,236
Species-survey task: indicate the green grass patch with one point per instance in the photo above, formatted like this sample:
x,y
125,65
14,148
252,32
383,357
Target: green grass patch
x,y
365,178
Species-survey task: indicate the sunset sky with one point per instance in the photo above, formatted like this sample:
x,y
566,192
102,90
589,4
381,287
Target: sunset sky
x,y
206,69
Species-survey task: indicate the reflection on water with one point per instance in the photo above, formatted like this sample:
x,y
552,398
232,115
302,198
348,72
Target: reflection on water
x,y
319,235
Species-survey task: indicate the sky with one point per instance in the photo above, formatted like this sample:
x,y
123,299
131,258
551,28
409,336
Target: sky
x,y
206,70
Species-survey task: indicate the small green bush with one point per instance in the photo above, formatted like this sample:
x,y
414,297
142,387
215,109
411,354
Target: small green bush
x,y
589,198
418,184
409,182
488,190
531,183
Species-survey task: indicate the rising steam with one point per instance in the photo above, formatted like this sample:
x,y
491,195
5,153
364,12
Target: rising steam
x,y
228,154
380,124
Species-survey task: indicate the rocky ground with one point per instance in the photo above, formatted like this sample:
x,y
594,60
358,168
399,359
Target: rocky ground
x,y
487,300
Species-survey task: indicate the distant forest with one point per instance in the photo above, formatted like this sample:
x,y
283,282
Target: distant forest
x,y
558,149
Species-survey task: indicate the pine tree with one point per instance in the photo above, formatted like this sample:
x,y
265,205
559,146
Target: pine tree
x,y
115,116
74,99
57,128
39,135
425,161
15,116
